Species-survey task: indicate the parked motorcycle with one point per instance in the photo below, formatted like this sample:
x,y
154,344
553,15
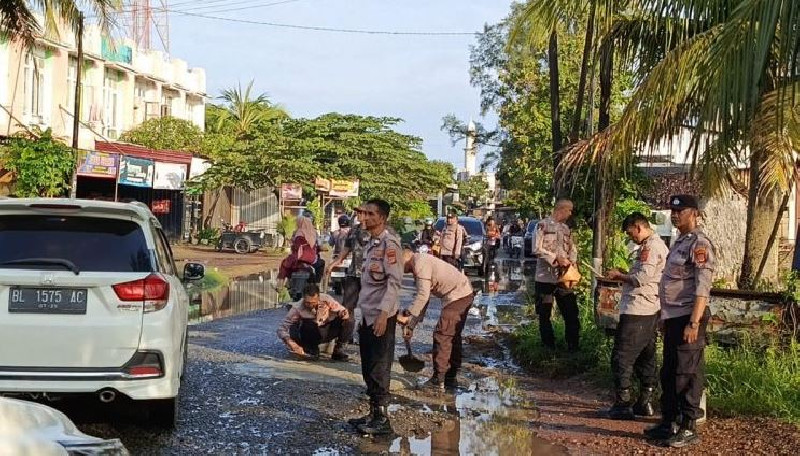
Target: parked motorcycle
x,y
338,273
239,239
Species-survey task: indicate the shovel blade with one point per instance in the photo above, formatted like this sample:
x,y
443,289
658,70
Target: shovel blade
x,y
411,364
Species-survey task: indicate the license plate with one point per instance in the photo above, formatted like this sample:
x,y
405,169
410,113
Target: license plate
x,y
69,301
337,274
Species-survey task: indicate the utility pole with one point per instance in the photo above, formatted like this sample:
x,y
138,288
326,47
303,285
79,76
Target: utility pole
x,y
76,115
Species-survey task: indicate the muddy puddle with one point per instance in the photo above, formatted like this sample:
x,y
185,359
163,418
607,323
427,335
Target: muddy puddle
x,y
239,296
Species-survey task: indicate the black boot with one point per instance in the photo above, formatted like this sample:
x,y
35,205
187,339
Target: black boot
x,y
687,435
662,431
338,353
621,410
644,406
379,424
364,419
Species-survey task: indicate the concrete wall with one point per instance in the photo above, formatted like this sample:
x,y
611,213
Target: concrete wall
x,y
724,221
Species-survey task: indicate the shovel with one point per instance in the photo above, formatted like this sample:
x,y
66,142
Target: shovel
x,y
409,362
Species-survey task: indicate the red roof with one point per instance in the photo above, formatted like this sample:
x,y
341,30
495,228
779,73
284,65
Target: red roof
x,y
132,150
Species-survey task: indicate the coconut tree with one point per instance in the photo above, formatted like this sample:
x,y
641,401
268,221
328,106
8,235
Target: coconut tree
x,y
242,112
727,68
18,17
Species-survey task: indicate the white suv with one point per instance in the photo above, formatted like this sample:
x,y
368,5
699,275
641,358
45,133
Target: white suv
x,y
91,303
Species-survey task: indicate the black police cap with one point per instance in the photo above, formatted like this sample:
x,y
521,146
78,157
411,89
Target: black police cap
x,y
683,202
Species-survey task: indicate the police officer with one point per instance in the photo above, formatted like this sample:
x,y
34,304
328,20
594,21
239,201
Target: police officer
x,y
452,240
685,288
555,250
635,339
381,277
438,278
354,244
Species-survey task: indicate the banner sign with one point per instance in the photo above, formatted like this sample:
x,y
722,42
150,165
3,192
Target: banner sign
x,y
344,188
198,167
161,207
169,176
322,185
291,191
98,164
136,171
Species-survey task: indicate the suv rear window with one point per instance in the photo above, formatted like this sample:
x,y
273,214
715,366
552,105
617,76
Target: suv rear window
x,y
474,227
91,243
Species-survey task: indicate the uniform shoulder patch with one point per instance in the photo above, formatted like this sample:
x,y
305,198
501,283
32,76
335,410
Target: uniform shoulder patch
x,y
700,255
391,255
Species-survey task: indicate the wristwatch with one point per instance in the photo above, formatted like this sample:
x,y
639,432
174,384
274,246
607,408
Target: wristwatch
x,y
693,324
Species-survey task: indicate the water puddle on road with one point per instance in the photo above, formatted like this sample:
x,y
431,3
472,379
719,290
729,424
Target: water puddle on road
x,y
239,296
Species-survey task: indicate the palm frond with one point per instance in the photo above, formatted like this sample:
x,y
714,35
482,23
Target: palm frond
x,y
540,17
775,133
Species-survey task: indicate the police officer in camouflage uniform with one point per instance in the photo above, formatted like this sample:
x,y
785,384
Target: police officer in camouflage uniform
x,y
555,250
381,277
355,243
684,290
635,338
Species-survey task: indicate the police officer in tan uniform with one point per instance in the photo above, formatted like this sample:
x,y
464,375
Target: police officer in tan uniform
x,y
452,240
635,338
555,250
438,278
685,289
381,277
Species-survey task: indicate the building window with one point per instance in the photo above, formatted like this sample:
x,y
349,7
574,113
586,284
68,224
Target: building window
x,y
112,103
33,108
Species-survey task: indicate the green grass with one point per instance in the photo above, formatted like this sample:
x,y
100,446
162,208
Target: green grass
x,y
212,279
749,380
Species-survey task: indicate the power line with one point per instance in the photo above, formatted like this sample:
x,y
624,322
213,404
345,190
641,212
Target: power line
x,y
322,29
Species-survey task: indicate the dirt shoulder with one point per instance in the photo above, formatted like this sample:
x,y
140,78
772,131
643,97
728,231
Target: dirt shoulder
x,y
569,416
227,262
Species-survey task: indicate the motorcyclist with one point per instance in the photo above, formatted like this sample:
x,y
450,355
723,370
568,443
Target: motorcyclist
x,y
426,235
338,237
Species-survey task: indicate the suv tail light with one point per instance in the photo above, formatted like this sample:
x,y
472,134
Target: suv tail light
x,y
153,291
144,364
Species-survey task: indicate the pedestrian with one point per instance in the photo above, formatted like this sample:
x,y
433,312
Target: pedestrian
x,y
451,240
438,278
635,339
684,290
339,236
354,245
556,252
315,320
382,275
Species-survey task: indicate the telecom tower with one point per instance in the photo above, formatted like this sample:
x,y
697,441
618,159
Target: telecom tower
x,y
148,23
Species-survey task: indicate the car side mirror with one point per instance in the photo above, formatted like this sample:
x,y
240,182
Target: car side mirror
x,y
193,271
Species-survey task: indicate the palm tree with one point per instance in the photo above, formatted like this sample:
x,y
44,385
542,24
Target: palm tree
x,y
18,20
728,67
242,112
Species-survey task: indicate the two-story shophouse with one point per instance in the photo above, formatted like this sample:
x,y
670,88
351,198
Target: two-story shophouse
x,y
121,87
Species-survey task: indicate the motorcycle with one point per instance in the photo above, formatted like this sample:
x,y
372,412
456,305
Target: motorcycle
x,y
239,239
517,243
338,273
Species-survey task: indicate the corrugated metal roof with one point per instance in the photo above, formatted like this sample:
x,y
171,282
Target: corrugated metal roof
x,y
169,156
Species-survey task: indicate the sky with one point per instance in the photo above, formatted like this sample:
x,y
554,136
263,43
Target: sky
x,y
417,78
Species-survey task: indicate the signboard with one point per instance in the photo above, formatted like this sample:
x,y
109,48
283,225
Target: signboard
x,y
198,167
169,176
291,191
98,164
161,207
344,188
322,185
136,171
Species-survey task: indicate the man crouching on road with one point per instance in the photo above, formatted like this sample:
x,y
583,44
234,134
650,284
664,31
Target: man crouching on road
x,y
441,279
317,319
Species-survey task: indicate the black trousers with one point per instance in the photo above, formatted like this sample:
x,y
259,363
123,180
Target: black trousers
x,y
377,355
683,372
309,335
568,306
351,287
635,351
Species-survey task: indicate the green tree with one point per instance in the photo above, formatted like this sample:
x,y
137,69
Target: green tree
x,y
18,22
242,112
166,133
727,71
42,165
475,189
